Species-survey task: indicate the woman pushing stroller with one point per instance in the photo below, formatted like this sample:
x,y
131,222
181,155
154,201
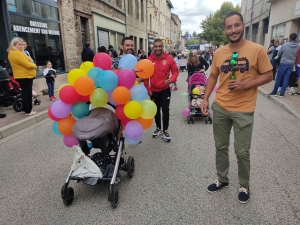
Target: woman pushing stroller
x,y
196,64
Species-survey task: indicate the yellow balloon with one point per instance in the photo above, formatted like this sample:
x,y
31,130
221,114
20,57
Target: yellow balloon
x,y
61,86
99,97
196,91
136,83
133,109
74,74
149,109
86,66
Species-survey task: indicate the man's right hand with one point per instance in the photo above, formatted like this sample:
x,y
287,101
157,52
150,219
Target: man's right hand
x,y
203,107
150,93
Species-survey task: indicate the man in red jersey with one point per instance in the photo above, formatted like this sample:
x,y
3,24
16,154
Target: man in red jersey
x,y
158,86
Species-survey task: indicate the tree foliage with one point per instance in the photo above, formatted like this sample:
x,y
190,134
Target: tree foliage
x,y
186,34
194,34
212,25
192,42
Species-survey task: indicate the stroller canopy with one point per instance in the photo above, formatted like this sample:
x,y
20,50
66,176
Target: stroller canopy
x,y
97,124
197,78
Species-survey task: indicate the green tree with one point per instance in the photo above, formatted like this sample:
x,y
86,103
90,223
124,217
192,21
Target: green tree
x,y
194,34
212,25
191,42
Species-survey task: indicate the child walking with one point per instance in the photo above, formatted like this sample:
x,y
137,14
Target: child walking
x,y
49,74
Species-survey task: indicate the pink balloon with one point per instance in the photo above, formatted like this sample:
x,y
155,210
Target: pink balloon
x,y
70,141
116,71
186,112
126,78
102,60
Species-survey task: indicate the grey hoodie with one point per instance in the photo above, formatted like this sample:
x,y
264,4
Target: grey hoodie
x,y
288,53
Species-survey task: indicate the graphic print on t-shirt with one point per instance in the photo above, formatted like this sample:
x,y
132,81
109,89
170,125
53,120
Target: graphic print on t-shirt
x,y
242,65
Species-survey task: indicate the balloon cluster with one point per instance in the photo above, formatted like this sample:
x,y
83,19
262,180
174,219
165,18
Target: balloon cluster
x,y
94,82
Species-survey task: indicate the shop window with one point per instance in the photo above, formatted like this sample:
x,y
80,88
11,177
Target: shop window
x,y
83,22
36,9
278,31
103,38
255,32
43,40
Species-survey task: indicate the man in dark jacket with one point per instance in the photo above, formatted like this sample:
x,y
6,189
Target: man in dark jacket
x,y
87,53
113,51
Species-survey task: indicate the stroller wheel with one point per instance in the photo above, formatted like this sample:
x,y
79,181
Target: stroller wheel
x,y
113,196
210,120
130,167
37,102
69,196
206,120
17,106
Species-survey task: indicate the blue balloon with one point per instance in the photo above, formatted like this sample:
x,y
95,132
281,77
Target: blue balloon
x,y
127,61
55,129
138,93
80,109
108,80
133,141
94,73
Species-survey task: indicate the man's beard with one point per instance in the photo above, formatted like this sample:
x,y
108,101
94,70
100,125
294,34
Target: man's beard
x,y
158,53
236,41
129,51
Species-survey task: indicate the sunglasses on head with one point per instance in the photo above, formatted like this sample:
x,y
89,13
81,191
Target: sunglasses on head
x,y
233,58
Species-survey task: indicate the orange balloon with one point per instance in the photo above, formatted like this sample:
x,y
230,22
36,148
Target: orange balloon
x,y
144,68
65,125
121,95
84,86
146,123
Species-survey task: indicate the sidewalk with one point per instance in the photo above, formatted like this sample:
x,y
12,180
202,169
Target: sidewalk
x,y
290,103
14,122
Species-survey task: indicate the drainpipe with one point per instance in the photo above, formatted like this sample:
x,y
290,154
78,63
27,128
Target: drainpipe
x,y
147,35
125,18
250,25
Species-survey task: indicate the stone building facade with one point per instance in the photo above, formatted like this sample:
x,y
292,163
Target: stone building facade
x,y
82,21
136,23
176,31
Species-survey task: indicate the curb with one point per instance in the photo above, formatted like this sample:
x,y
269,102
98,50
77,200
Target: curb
x,y
22,124
280,103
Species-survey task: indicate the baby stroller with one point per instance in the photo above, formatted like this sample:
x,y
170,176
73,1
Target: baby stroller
x,y
197,80
102,130
16,91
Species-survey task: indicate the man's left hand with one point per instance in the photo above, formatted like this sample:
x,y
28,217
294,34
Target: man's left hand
x,y
168,82
236,85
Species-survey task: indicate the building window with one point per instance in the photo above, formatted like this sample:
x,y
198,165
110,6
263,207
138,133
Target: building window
x,y
255,32
119,4
249,4
137,11
142,10
130,8
278,32
84,33
36,8
247,33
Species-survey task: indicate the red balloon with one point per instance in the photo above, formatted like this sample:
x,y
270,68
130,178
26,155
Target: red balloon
x,y
116,71
120,112
125,121
84,98
68,95
102,60
51,116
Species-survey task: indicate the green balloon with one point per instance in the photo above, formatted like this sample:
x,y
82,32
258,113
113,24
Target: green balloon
x,y
99,97
149,109
184,96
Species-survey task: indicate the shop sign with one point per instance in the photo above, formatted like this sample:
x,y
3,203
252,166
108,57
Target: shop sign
x,y
297,8
164,40
36,28
169,42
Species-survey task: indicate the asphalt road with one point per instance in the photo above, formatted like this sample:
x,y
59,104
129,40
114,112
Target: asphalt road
x,y
169,186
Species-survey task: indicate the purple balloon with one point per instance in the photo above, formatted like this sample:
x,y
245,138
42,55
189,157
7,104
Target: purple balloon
x,y
110,98
133,129
60,109
70,141
126,78
186,112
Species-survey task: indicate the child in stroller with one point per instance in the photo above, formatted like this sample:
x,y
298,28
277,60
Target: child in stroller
x,y
102,130
197,81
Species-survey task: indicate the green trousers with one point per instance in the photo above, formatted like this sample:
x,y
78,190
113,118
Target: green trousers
x,y
242,124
